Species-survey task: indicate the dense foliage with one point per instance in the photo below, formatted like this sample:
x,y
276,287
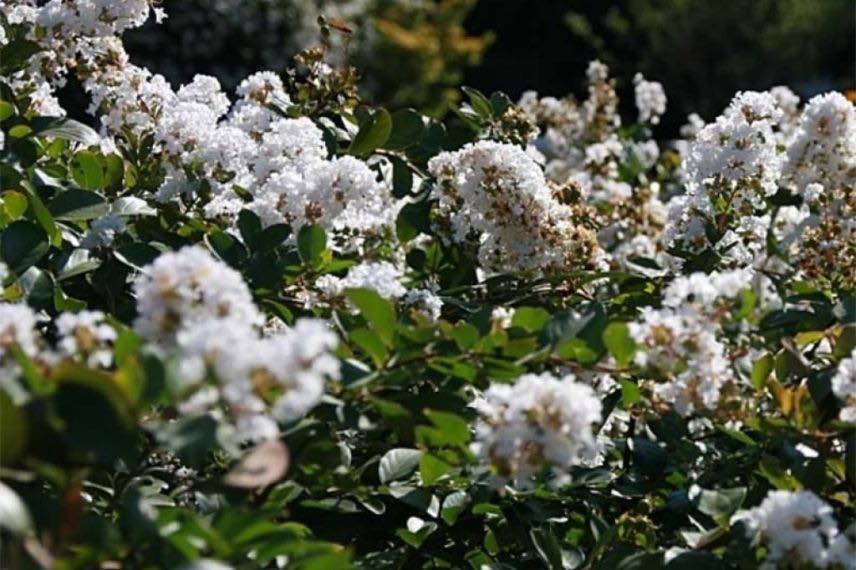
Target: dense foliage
x,y
294,330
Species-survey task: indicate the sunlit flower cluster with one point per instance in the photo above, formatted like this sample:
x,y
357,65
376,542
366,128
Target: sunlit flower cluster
x,y
678,343
201,311
539,423
497,201
844,387
798,527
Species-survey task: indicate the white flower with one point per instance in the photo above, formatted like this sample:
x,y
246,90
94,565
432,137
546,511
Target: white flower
x,y
502,316
18,329
183,288
87,335
205,90
844,387
263,88
679,345
425,301
539,421
382,277
103,231
650,99
797,527
257,380
497,200
823,149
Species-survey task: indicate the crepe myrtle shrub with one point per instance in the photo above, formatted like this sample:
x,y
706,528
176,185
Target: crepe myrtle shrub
x,y
283,328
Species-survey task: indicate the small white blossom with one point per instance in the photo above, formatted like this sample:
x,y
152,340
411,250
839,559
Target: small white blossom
x,y
86,335
382,277
538,422
844,387
103,231
797,527
650,99
497,200
186,287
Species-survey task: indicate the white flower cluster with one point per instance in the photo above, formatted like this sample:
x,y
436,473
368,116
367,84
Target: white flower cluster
x,y
258,381
823,148
201,311
103,231
17,332
735,160
582,144
538,422
381,276
760,144
650,99
424,301
71,33
498,202
281,162
86,335
185,288
798,527
679,343
844,387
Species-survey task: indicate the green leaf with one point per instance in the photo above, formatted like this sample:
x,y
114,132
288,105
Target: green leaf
x,y
479,103
720,504
311,243
64,128
273,236
14,430
695,560
131,206
14,204
577,349
38,288
649,457
373,133
15,54
630,394
402,178
431,468
22,245
530,319
76,204
449,429
398,463
453,506
191,438
408,128
43,216
227,248
106,431
845,342
761,370
371,344
789,366
547,546
86,170
7,110
114,172
619,343
14,515
375,310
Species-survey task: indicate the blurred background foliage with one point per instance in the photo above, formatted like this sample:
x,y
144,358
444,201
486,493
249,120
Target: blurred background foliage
x,y
416,52
409,53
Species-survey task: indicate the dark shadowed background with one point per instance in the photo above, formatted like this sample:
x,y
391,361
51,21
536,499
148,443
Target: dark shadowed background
x,y
416,53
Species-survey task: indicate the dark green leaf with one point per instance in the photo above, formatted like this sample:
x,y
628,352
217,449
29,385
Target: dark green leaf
x,y
23,244
373,133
